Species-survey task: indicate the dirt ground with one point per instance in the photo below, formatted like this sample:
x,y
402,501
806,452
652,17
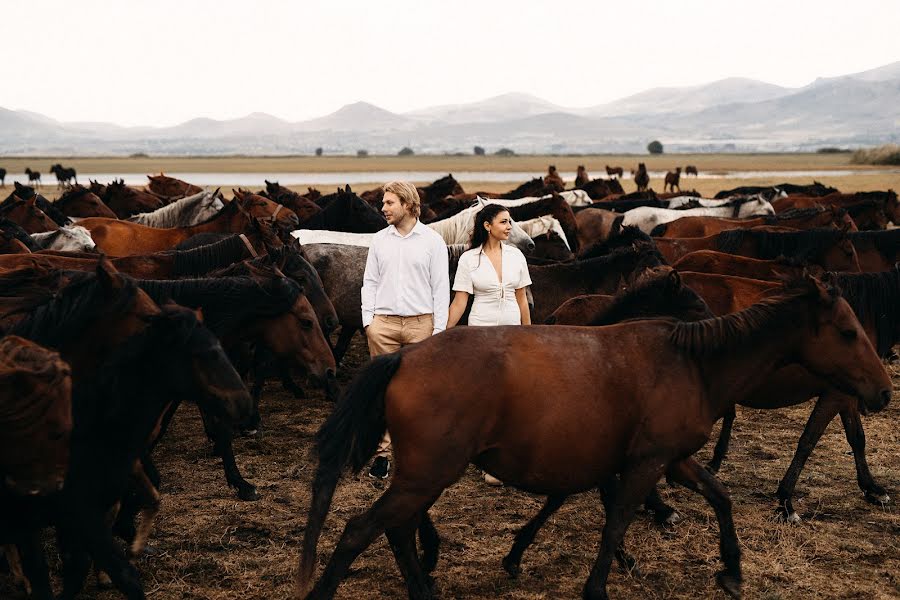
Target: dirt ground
x,y
209,545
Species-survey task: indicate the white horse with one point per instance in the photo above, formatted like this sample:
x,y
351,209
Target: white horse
x,y
647,218
71,238
458,228
324,236
544,225
572,198
187,211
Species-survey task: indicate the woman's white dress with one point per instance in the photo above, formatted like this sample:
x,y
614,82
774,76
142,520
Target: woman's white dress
x,y
495,301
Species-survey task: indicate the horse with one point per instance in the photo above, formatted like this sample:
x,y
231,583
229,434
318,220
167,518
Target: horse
x,y
171,187
121,238
596,226
63,175
550,241
710,261
79,201
12,231
440,188
33,176
72,238
700,369
816,189
345,211
581,176
27,215
801,218
598,189
877,250
887,202
691,170
672,179
641,178
2,177
552,178
554,205
458,228
304,207
614,172
184,212
648,219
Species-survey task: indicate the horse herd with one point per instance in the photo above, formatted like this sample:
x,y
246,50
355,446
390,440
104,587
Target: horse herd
x,y
65,176
764,297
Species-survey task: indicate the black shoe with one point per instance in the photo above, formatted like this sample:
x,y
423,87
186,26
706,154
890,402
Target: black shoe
x,y
380,468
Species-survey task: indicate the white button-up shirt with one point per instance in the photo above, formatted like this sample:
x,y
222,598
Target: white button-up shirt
x,y
407,275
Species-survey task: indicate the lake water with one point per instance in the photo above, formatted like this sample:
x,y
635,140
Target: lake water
x,y
257,180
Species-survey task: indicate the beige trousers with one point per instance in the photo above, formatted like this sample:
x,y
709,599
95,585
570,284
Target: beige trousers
x,y
389,333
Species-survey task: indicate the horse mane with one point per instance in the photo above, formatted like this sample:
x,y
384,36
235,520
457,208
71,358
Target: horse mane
x,y
203,259
59,318
73,193
739,330
227,301
11,229
628,236
887,242
650,296
804,244
874,296
795,213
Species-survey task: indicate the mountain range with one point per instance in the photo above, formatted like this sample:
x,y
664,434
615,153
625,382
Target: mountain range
x,y
732,114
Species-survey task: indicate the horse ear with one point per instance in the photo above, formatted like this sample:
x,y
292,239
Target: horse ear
x,y
347,189
106,274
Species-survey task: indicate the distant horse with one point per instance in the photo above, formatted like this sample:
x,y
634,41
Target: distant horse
x,y
598,189
690,170
33,176
552,178
641,178
581,177
699,370
672,180
64,175
2,177
614,171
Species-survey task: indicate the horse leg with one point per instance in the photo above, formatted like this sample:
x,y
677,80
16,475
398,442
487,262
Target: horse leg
x,y
822,414
223,447
431,543
344,338
397,508
663,514
287,381
633,487
32,566
403,543
853,429
150,501
722,445
525,536
693,476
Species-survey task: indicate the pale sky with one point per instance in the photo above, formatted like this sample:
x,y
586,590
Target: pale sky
x,y
163,62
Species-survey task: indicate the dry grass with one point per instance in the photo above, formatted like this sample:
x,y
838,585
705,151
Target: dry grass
x,y
209,545
889,154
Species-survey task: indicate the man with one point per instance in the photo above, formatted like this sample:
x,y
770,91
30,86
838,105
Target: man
x,y
406,286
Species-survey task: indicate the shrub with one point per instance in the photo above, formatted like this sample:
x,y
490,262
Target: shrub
x,y
405,151
655,147
504,152
889,154
479,151
319,151
362,153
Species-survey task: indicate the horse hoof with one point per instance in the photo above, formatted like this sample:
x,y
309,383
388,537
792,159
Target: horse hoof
x,y
878,499
512,568
248,493
729,583
249,432
674,518
788,517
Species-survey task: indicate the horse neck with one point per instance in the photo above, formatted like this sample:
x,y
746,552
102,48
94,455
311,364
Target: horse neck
x,y
228,220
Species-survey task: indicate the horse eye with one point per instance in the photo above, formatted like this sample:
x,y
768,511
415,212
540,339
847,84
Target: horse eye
x,y
849,334
306,324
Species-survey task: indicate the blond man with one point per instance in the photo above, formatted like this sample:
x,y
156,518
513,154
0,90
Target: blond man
x,y
406,286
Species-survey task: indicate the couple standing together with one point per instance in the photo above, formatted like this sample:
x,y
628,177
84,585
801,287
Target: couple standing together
x,y
406,292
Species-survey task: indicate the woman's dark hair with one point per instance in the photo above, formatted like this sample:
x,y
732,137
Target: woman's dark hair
x,y
485,215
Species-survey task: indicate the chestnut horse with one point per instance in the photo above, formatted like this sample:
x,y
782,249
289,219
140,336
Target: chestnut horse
x,y
596,423
79,201
122,238
27,215
672,180
690,170
170,187
722,263
801,218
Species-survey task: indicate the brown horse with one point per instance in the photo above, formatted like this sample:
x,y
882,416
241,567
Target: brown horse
x,y
552,178
690,170
614,171
672,180
27,215
598,189
36,418
722,263
79,201
171,187
33,177
126,201
886,201
304,207
581,177
801,218
596,225
642,178
877,250
595,425
122,238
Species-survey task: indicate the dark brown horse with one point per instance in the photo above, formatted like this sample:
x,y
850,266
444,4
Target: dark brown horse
x,y
598,189
614,171
581,177
64,175
690,170
641,178
886,201
33,176
710,261
801,218
699,370
303,206
170,187
27,215
79,201
672,180
126,201
553,178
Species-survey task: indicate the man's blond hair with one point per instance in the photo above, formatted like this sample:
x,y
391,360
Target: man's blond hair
x,y
408,194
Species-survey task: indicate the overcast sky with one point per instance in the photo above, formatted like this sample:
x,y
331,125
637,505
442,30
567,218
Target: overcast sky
x,y
163,62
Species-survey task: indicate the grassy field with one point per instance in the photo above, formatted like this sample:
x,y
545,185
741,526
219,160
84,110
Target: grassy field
x,y
864,177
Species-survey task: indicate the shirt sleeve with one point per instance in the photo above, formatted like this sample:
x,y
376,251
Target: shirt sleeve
x,y
463,280
370,284
524,276
440,285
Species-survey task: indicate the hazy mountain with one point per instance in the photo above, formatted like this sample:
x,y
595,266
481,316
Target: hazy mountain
x,y
731,114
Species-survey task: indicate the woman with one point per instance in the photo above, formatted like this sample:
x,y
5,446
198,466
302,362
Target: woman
x,y
496,274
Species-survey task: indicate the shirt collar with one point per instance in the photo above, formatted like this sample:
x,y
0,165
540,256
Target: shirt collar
x,y
417,229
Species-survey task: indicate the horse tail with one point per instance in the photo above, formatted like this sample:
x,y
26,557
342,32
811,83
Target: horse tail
x,y
349,436
659,230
